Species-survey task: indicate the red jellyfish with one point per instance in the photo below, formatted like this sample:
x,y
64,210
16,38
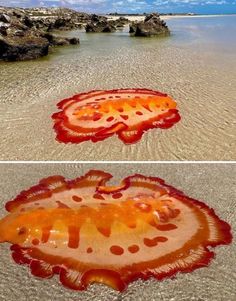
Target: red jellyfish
x,y
97,115
86,231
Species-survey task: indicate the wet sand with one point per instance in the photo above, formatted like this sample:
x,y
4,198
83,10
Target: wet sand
x,y
196,65
212,183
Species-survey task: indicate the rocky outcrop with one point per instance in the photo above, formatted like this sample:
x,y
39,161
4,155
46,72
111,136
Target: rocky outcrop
x,y
24,37
44,18
151,26
99,24
31,46
57,18
59,41
19,49
102,24
3,28
5,18
95,18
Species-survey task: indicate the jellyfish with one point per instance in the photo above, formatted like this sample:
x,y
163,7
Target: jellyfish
x,y
85,230
97,115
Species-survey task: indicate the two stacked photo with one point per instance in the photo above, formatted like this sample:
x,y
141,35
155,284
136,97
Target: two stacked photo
x,y
118,150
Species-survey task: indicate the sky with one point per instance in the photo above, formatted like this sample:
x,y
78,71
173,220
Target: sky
x,y
133,6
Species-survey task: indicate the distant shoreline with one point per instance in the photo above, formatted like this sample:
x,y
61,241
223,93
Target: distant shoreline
x,y
164,17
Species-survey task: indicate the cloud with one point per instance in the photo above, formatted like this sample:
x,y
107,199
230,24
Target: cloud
x,y
191,2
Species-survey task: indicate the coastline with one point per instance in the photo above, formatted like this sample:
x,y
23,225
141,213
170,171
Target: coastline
x,y
139,18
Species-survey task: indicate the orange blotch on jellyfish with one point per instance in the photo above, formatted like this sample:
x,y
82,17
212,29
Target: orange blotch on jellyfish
x,y
133,249
116,250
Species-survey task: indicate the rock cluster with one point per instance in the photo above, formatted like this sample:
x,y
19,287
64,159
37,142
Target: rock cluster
x,y
102,24
57,18
27,33
25,48
24,36
151,26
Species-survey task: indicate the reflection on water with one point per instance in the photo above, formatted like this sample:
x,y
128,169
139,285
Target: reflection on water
x,y
196,65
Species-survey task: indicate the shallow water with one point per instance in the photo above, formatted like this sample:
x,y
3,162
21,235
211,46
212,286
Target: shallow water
x,y
196,65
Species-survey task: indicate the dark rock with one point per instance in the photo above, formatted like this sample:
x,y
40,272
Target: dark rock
x,y
3,31
101,26
151,16
55,40
21,49
23,34
96,18
151,26
121,22
122,19
62,23
28,22
132,27
59,41
3,28
5,18
18,13
74,41
13,31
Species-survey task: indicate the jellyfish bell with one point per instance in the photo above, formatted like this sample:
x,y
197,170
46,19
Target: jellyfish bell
x,y
87,231
97,115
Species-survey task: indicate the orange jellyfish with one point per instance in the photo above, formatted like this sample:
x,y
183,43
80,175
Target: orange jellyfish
x,y
86,231
97,115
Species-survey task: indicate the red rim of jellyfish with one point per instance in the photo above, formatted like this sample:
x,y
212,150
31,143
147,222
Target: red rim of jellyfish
x,y
215,232
99,114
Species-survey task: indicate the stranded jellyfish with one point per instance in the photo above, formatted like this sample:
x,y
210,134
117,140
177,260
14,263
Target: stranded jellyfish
x,y
86,231
97,115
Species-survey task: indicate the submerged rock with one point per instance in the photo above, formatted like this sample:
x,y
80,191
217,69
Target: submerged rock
x,y
151,26
60,41
74,41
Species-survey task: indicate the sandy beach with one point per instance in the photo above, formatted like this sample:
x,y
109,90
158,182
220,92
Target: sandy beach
x,y
196,66
212,183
